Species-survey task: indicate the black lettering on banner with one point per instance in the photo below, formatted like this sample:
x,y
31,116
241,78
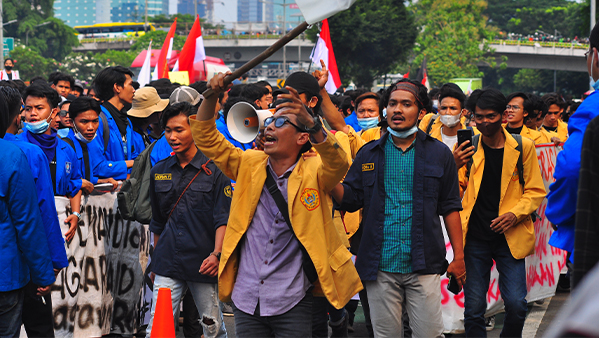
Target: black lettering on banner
x,y
122,317
86,316
74,276
123,289
60,315
90,279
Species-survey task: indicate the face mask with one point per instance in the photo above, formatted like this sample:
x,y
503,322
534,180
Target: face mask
x,y
435,104
403,134
8,67
63,132
489,128
384,112
450,120
220,112
368,123
37,127
80,136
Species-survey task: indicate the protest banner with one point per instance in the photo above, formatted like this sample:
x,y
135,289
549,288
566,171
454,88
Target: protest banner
x,y
543,267
100,291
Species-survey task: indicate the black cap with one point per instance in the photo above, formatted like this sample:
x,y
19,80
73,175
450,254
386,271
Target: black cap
x,y
303,83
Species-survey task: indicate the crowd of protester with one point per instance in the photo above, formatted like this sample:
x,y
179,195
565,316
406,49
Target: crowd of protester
x,y
275,222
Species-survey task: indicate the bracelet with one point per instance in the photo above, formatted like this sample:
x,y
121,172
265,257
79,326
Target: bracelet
x,y
77,214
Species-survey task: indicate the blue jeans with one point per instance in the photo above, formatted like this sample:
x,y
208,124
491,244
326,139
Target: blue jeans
x,y
11,309
206,298
297,322
512,283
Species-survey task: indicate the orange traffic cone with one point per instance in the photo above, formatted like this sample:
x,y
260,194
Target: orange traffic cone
x,y
163,325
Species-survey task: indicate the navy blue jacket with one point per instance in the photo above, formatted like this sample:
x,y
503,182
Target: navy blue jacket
x,y
435,193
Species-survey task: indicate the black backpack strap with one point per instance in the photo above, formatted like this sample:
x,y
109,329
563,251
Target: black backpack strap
x,y
475,142
86,160
519,140
105,130
430,124
307,264
69,141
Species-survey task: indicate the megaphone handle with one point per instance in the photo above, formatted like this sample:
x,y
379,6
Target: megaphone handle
x,y
261,57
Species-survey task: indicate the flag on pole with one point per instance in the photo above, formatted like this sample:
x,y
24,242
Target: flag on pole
x,y
192,51
144,75
317,10
324,51
406,76
161,70
422,74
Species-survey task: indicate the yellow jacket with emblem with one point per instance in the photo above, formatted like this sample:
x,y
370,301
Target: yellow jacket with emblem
x,y
513,197
311,221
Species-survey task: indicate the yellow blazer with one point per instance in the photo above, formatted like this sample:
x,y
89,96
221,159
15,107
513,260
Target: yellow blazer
x,y
309,204
521,237
561,132
537,137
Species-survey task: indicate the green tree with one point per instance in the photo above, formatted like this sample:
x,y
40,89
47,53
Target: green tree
x,y
451,35
370,39
30,63
158,38
84,66
37,27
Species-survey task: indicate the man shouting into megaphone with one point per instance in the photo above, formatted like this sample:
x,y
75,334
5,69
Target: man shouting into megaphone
x,y
274,256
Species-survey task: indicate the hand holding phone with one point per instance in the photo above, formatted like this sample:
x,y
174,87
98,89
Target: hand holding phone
x,y
453,285
463,153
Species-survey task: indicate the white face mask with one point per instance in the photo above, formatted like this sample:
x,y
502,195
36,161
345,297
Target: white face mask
x,y
436,104
450,120
80,136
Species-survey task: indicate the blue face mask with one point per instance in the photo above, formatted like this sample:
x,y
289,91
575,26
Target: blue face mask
x,y
37,127
63,132
403,134
368,123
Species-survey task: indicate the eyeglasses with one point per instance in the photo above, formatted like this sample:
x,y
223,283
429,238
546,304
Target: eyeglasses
x,y
491,116
280,121
586,54
63,113
513,108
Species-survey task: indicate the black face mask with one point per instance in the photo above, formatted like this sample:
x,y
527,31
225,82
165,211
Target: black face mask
x,y
489,128
8,67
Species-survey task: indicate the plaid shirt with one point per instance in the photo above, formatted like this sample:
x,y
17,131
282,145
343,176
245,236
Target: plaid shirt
x,y
396,246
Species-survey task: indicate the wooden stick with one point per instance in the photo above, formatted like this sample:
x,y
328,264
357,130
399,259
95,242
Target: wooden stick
x,y
261,57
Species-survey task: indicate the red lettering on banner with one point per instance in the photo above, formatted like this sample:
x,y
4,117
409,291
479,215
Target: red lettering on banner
x,y
445,293
541,244
546,274
491,294
460,299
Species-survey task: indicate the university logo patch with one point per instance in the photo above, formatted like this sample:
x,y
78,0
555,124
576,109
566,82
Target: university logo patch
x,y
368,166
68,167
310,199
227,191
515,175
162,177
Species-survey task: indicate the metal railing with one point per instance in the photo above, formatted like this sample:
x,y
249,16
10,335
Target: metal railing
x,y
571,45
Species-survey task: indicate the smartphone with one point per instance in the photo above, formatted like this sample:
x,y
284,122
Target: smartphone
x,y
465,135
453,285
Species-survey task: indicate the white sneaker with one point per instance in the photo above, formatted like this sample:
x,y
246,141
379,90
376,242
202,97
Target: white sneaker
x,y
490,322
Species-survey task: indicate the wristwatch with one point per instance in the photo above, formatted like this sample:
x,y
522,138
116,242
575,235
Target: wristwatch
x,y
216,254
316,128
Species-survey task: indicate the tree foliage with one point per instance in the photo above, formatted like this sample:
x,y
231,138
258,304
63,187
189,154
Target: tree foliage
x,y
158,38
452,32
52,40
371,38
30,63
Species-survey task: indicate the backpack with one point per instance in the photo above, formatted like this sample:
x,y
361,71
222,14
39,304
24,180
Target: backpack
x,y
134,196
430,124
518,138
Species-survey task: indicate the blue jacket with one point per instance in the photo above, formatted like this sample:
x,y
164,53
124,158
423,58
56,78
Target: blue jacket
x,y
68,179
161,150
352,121
562,198
113,164
435,193
94,156
38,163
23,245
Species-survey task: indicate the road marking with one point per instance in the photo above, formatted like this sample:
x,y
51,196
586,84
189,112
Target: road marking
x,y
534,318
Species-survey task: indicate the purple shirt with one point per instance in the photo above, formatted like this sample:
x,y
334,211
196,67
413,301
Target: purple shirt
x,y
270,269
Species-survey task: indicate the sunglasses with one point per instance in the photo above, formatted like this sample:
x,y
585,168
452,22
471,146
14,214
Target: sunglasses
x,y
63,113
280,121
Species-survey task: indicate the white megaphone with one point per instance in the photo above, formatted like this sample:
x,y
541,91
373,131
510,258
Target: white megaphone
x,y
244,121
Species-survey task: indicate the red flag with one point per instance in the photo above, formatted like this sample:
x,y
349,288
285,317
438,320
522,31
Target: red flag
x,y
422,74
324,50
405,76
192,51
162,69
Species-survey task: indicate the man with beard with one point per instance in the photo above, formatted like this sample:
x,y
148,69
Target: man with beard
x,y
497,223
404,182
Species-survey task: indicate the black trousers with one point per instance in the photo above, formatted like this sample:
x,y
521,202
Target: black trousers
x,y
37,316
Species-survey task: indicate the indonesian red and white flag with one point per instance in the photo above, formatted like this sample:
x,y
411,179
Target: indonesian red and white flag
x,y
144,75
192,51
324,51
161,70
